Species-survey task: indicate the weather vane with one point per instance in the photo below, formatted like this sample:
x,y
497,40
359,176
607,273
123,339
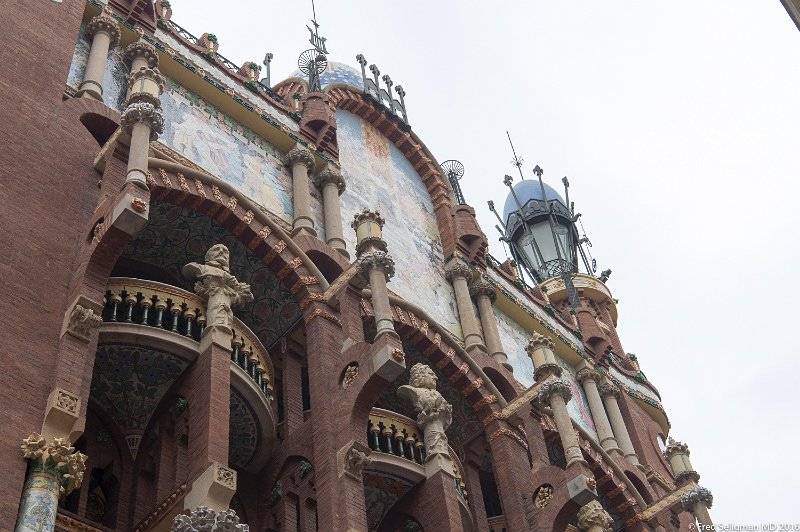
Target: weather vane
x,y
516,161
313,61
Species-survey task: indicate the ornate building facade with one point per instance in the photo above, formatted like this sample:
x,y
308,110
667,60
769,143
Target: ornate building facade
x,y
265,305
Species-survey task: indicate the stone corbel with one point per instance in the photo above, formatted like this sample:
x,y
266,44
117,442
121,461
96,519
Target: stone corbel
x,y
81,318
62,417
352,458
213,489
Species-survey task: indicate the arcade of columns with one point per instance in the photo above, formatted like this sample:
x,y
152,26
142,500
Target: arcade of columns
x,y
55,469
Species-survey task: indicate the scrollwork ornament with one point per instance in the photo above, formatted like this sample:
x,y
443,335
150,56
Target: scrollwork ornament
x,y
146,113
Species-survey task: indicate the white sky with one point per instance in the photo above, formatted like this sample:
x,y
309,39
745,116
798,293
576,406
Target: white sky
x,y
677,124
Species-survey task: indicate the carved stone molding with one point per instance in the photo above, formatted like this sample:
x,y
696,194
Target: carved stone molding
x,y
57,458
592,517
695,495
142,49
588,374
458,269
104,23
204,519
554,387
299,154
375,259
146,113
82,321
538,341
225,476
483,288
330,174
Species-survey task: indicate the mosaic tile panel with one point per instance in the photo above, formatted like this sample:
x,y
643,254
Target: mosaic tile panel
x,y
129,381
379,177
633,384
381,491
203,134
578,406
337,73
245,431
175,236
465,421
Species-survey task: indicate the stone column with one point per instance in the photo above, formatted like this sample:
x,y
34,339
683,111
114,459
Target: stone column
x,y
213,483
593,518
301,161
104,32
142,118
540,350
697,501
141,54
54,470
589,378
485,296
610,394
330,181
677,454
375,266
555,393
461,275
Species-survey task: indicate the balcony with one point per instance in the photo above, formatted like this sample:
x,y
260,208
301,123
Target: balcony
x,y
182,313
398,447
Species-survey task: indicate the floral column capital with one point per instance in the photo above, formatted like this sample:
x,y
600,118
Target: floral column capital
x,y
56,457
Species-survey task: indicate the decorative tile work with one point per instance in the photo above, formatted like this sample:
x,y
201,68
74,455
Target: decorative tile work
x,y
578,406
175,236
514,338
245,432
378,176
465,421
130,381
633,384
224,148
337,73
381,491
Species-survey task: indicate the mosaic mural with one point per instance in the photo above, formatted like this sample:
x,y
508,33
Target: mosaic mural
x,y
381,491
226,149
129,381
633,384
379,177
245,432
175,236
465,422
514,338
115,81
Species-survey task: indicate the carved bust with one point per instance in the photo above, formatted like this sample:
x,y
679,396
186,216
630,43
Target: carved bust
x,y
434,414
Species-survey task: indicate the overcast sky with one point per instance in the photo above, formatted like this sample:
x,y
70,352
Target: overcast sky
x,y
677,124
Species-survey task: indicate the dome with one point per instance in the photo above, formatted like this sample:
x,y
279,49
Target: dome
x,y
526,190
337,73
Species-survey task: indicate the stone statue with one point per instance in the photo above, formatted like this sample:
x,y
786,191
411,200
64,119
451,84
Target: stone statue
x,y
593,518
434,414
203,519
218,287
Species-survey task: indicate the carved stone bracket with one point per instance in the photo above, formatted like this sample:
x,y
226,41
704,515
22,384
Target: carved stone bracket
x,y
146,113
82,320
353,458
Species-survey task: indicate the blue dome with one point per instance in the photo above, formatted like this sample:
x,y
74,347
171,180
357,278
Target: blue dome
x,y
527,190
337,73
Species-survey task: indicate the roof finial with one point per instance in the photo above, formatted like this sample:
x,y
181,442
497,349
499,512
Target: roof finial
x,y
516,161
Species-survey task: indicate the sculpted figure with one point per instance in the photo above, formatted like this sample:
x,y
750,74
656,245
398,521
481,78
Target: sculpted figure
x,y
218,287
434,414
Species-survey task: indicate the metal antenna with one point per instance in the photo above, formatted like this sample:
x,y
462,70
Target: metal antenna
x,y
516,161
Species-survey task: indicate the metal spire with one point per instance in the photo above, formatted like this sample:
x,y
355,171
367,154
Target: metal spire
x,y
516,161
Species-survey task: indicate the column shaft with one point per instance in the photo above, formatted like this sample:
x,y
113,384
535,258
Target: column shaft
x,y
380,301
333,218
39,505
569,440
92,84
700,512
469,325
303,223
490,332
137,154
619,429
601,423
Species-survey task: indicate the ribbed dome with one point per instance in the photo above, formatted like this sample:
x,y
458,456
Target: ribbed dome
x,y
337,73
527,190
